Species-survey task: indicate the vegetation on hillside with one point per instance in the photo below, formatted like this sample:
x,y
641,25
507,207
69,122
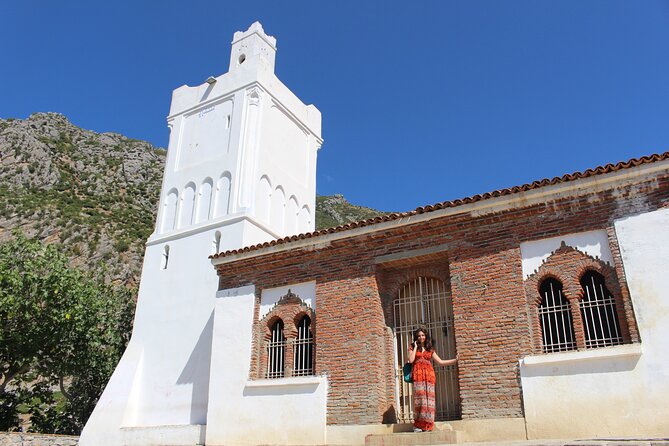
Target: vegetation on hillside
x,y
95,193
335,210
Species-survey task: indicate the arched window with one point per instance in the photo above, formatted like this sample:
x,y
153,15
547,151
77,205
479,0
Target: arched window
x,y
276,351
303,362
557,327
598,311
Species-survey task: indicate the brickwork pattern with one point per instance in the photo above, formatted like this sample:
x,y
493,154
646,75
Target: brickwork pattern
x,y
481,261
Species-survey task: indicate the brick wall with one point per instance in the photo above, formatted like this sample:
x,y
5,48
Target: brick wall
x,y
477,255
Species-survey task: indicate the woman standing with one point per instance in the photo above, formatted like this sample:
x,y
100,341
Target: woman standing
x,y
421,354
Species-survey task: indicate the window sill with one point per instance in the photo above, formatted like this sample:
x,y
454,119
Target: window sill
x,y
619,351
297,381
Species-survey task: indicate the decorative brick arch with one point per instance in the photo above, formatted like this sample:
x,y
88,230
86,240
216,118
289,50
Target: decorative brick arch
x,y
390,281
290,309
567,265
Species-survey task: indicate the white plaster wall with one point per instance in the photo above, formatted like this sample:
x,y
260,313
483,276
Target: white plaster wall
x,y
617,391
279,411
287,153
103,426
205,133
270,296
163,377
593,243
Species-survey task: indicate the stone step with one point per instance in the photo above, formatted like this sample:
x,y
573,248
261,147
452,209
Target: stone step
x,y
435,437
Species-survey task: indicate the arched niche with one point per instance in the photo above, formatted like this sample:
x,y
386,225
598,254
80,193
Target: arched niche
x,y
169,211
278,213
204,200
222,195
187,206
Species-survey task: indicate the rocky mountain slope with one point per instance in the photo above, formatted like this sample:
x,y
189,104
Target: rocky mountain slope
x,y
335,210
97,193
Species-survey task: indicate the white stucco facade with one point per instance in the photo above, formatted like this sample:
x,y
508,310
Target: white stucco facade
x,y
616,391
240,170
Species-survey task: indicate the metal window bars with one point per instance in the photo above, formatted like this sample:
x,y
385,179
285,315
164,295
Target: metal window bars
x,y
557,327
426,302
276,352
598,311
303,361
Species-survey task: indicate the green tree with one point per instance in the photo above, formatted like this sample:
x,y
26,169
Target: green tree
x,y
63,332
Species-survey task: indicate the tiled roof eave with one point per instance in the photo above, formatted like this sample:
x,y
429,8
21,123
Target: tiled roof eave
x,y
393,217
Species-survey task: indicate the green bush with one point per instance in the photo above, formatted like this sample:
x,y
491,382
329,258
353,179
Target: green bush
x,y
63,327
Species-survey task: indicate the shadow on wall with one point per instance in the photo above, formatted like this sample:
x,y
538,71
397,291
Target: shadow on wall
x,y
196,373
210,87
390,416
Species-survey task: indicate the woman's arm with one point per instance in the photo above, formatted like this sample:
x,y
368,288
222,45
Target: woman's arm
x,y
412,352
444,361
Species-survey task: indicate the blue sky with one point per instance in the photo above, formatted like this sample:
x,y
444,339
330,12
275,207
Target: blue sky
x,y
422,101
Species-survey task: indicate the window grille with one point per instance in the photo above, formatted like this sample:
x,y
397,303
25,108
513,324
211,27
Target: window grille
x,y
598,310
304,349
555,317
276,352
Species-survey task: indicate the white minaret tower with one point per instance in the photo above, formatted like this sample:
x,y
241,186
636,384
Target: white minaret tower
x,y
240,170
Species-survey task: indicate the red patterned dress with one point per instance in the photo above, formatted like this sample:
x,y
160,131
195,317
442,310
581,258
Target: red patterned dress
x,y
423,391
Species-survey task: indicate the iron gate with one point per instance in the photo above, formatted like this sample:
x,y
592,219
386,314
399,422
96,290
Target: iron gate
x,y
426,302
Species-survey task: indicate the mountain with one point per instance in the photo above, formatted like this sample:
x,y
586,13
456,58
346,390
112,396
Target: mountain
x,y
94,192
335,210
97,193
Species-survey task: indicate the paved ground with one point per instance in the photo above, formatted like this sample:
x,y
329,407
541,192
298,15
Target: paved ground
x,y
599,442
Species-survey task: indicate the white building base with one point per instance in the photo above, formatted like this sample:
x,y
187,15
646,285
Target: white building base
x,y
189,435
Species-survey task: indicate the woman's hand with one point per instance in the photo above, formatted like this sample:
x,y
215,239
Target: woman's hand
x,y
440,361
412,352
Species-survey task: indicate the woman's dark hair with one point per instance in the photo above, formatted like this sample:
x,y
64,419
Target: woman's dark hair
x,y
428,338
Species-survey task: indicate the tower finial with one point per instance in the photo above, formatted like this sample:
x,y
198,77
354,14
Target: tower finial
x,y
252,44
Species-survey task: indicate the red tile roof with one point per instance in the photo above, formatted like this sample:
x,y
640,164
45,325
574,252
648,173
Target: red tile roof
x,y
600,170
